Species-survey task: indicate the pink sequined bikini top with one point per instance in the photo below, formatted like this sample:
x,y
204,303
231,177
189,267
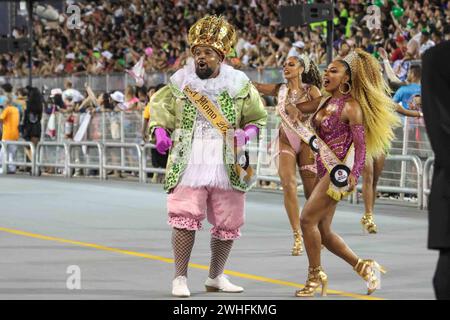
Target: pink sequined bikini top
x,y
335,133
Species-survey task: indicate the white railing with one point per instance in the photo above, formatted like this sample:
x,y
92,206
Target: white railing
x,y
14,162
41,159
417,190
422,171
77,165
427,174
146,169
122,166
400,175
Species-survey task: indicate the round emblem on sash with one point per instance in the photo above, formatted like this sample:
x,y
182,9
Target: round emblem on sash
x,y
314,144
339,175
242,159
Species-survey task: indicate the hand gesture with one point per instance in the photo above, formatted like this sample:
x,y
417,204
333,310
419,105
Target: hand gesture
x,y
293,113
163,141
352,181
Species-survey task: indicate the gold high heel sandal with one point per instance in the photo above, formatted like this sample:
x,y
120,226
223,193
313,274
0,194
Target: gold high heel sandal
x,y
316,278
368,223
297,249
367,269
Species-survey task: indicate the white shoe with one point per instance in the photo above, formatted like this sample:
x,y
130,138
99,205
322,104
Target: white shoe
x,y
179,287
222,284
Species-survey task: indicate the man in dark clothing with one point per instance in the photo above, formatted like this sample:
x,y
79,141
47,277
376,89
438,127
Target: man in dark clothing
x,y
436,110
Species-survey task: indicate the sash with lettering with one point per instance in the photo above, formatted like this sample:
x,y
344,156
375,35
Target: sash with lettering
x,y
215,117
339,170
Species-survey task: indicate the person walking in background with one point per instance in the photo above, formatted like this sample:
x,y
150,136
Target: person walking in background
x,y
373,169
436,111
372,172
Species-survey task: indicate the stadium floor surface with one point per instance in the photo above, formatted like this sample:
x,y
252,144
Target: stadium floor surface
x,y
116,233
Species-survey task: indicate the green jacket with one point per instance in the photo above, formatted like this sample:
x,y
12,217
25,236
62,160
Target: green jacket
x,y
170,109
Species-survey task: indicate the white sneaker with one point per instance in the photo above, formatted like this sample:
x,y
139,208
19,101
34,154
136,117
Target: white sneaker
x,y
179,287
222,284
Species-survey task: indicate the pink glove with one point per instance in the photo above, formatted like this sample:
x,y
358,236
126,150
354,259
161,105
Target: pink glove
x,y
241,137
163,141
360,149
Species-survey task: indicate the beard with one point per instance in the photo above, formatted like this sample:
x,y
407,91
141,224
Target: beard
x,y
204,73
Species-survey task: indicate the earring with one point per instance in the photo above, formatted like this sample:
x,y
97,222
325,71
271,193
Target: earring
x,y
349,88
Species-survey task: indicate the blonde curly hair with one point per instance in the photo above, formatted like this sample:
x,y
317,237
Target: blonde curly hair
x,y
369,88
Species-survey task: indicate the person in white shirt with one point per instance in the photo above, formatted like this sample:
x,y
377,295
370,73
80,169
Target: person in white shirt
x,y
418,44
70,92
297,49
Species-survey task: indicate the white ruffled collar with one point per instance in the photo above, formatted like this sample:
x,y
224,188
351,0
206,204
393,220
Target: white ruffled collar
x,y
229,79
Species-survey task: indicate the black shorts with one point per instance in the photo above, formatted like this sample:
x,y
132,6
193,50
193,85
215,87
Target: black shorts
x,y
31,130
159,160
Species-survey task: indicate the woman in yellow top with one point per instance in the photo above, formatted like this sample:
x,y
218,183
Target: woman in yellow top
x,y
10,118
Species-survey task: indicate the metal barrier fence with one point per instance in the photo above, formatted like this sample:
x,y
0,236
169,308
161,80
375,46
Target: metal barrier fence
x,y
9,157
417,190
427,176
77,165
145,168
42,158
113,141
126,167
38,161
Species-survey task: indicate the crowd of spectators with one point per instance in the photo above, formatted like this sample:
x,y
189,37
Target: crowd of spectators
x,y
30,114
113,35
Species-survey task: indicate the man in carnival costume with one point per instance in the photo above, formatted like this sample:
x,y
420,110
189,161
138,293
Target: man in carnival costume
x,y
207,113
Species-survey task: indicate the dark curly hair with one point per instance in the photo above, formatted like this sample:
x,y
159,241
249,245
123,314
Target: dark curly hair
x,y
35,102
313,76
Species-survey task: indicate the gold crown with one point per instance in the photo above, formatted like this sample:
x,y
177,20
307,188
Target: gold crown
x,y
213,31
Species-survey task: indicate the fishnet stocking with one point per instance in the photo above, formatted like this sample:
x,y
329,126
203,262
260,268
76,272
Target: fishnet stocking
x,y
182,244
220,250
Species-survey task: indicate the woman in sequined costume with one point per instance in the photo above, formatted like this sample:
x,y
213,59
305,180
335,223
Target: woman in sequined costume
x,y
359,111
371,174
303,84
373,169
